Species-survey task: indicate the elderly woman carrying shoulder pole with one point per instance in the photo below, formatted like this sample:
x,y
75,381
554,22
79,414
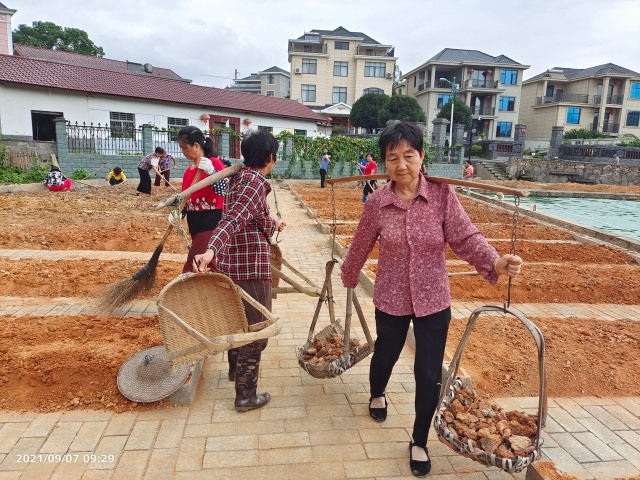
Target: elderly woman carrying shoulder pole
x,y
240,245
415,219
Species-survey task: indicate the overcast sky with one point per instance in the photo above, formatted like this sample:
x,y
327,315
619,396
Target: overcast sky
x,y
206,39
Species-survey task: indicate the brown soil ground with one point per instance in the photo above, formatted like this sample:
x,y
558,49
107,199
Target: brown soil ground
x,y
583,356
47,362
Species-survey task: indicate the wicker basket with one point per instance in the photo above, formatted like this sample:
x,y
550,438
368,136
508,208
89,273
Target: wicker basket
x,y
339,365
203,313
454,384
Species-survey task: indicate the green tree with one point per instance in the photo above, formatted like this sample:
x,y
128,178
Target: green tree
x,y
401,107
461,112
52,36
365,110
397,78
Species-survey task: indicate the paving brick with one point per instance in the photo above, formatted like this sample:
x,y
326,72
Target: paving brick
x,y
573,408
108,448
566,421
88,437
230,459
630,405
120,424
15,459
284,440
190,454
344,453
161,463
318,470
632,438
143,435
565,462
72,469
617,469
42,425
61,438
131,465
10,433
238,442
284,456
605,417
629,453
371,468
170,434
600,430
574,447
384,435
621,413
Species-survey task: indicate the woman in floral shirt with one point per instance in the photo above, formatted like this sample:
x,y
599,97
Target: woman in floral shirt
x,y
203,207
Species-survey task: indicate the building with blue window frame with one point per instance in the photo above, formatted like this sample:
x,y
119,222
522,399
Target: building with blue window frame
x,y
490,86
605,98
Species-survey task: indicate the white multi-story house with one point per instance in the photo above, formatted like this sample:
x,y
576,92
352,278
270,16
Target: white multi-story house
x,y
330,70
491,86
605,98
272,82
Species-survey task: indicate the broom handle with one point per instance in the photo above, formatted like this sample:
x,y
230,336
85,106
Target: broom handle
x,y
227,172
450,181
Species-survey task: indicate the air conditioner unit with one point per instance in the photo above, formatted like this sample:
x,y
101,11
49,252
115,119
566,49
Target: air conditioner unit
x,y
389,75
297,70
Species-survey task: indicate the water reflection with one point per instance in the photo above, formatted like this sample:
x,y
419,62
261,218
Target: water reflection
x,y
621,217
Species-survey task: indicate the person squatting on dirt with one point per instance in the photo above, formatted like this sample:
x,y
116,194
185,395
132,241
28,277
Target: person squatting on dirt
x,y
240,245
370,169
55,181
149,162
203,208
116,177
414,219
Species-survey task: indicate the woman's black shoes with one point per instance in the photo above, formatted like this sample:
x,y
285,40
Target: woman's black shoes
x,y
378,414
419,468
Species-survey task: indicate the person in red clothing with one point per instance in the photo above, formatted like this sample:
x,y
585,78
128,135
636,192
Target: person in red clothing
x,y
204,207
414,219
370,169
241,246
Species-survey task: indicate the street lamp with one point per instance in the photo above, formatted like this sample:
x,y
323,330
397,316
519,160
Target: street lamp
x,y
454,91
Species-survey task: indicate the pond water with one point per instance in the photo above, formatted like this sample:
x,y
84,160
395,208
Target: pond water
x,y
620,217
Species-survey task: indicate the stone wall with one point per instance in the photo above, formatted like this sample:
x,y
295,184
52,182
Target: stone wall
x,y
556,171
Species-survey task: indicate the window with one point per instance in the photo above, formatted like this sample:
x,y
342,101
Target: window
x,y
309,65
340,69
368,51
300,132
342,45
265,129
308,93
507,104
573,115
443,99
635,90
271,79
509,77
122,124
372,90
270,93
339,94
503,129
174,125
633,118
374,69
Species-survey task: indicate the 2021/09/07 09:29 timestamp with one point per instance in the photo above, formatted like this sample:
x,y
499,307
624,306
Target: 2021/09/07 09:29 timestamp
x,y
65,458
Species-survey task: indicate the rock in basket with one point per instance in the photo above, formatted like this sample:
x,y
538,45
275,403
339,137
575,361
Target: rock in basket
x,y
454,385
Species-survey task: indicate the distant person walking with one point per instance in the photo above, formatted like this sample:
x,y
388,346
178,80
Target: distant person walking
x,y
149,162
324,167
55,181
467,173
164,163
370,169
116,176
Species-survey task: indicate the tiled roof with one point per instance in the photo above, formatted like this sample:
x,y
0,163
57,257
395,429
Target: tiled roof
x,y
275,69
343,32
89,61
574,73
458,56
47,74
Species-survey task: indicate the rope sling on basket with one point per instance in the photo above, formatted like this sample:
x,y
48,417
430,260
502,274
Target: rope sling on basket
x,y
453,387
340,358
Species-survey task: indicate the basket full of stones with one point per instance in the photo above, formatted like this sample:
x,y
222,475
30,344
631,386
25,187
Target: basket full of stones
x,y
478,428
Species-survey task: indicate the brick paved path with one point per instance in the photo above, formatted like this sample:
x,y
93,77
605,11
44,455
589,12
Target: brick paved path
x,y
312,429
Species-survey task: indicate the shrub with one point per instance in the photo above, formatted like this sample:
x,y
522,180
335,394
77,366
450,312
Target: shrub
x,y
35,174
80,174
583,133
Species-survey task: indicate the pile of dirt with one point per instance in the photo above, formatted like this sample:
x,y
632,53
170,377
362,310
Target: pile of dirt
x,y
70,362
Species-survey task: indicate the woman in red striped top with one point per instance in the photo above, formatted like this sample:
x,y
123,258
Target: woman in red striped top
x,y
204,207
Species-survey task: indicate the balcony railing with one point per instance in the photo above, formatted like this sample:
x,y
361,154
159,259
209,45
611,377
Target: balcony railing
x,y
611,99
563,97
307,48
607,127
483,111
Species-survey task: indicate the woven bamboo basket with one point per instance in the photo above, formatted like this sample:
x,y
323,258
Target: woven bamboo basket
x,y
203,313
454,384
350,356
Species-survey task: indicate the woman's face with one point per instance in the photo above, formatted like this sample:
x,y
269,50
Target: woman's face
x,y
192,152
403,163
369,158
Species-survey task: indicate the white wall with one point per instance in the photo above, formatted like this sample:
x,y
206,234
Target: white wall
x,y
17,102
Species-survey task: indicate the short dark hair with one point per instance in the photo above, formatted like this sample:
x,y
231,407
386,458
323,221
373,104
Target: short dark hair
x,y
159,150
328,153
373,156
257,147
117,170
393,134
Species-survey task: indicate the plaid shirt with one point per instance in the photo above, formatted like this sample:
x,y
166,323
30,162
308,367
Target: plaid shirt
x,y
241,241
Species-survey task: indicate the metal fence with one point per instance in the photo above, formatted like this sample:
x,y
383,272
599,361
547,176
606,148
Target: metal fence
x,y
167,140
104,139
